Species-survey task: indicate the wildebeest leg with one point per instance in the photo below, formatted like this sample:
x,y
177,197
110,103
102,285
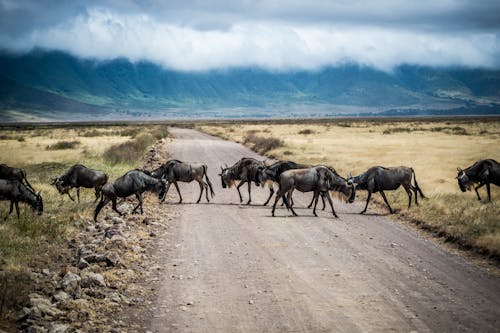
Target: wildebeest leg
x,y
10,210
312,201
367,201
166,191
386,202
288,200
201,191
315,199
488,190
477,188
238,188
279,195
331,203
78,194
249,193
97,191
139,198
17,208
323,200
178,191
113,205
102,203
271,192
408,191
205,186
69,195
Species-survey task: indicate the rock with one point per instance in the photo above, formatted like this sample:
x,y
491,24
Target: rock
x,y
250,302
90,280
117,220
82,264
111,259
58,328
61,296
70,282
111,232
146,221
41,306
45,271
152,234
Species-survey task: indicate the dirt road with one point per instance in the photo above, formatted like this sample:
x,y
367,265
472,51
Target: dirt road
x,y
233,268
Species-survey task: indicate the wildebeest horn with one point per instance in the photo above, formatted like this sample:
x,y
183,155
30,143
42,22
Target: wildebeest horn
x,y
459,170
54,180
38,193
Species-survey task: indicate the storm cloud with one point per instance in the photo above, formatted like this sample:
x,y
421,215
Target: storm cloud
x,y
276,35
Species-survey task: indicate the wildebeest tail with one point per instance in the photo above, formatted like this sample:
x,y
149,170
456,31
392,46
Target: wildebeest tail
x,y
208,180
416,184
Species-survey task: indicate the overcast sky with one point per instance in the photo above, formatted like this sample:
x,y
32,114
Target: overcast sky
x,y
273,34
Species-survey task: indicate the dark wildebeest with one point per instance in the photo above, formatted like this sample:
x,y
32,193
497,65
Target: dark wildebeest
x,y
16,192
80,176
245,170
11,173
380,179
267,175
176,171
317,179
133,182
483,172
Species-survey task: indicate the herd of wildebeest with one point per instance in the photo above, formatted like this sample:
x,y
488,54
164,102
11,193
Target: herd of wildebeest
x,y
289,176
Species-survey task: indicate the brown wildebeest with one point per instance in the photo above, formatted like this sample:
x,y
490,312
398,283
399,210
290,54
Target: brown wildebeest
x,y
11,173
318,179
16,192
483,172
80,176
176,171
245,170
380,179
133,182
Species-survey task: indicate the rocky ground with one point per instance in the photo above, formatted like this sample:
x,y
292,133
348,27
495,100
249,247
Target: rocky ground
x,y
108,270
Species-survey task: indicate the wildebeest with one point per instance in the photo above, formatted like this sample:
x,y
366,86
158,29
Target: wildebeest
x,y
80,176
245,170
176,171
133,182
11,173
317,179
483,172
271,174
16,192
380,179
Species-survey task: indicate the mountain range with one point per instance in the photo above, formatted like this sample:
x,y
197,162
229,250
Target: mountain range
x,y
52,85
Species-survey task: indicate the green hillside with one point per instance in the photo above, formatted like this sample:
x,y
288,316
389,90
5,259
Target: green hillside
x,y
58,81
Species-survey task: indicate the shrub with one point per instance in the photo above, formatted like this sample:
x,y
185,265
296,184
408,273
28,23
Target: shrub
x,y
306,131
160,132
262,144
92,133
132,132
63,145
130,151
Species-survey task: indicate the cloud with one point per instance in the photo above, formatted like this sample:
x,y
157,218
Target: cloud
x,y
277,35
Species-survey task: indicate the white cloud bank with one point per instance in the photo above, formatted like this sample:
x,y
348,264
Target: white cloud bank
x,y
273,44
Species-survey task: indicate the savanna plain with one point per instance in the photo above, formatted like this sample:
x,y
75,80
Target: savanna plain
x,y
434,148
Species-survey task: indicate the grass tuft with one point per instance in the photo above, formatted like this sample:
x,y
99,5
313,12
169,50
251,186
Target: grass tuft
x,y
129,151
60,145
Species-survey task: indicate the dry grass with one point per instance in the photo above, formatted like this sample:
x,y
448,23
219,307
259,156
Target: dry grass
x,y
433,148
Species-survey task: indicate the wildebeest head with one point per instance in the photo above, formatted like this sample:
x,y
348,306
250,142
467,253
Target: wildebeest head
x,y
226,177
38,204
464,181
161,188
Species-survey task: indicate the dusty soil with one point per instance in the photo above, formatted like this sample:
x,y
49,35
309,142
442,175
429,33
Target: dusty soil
x,y
229,267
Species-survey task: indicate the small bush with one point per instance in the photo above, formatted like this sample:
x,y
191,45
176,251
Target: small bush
x,y
287,152
397,130
306,131
262,144
130,151
92,133
160,132
21,139
132,132
60,145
